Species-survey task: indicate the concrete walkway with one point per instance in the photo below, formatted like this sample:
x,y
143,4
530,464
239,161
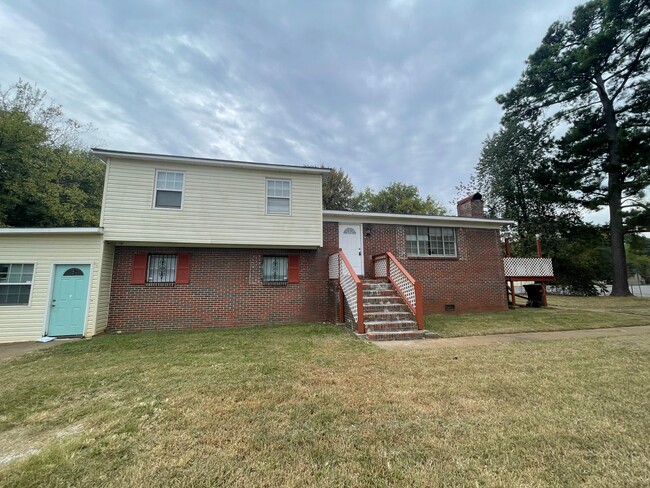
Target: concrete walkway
x,y
510,338
13,349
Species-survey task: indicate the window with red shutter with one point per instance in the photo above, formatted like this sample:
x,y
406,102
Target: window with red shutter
x,y
183,269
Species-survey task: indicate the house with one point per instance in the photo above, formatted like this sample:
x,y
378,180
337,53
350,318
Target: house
x,y
198,243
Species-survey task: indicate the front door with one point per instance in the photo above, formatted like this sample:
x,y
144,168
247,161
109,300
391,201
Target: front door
x,y
69,300
351,242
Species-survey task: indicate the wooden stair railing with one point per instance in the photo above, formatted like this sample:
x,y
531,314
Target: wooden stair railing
x,y
387,266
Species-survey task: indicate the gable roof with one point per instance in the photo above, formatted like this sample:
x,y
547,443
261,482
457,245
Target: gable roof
x,y
105,154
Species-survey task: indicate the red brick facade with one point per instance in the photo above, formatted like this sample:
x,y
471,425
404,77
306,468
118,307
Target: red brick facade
x,y
225,286
225,290
472,282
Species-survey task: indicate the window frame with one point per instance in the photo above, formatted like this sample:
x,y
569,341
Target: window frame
x,y
284,281
428,241
266,196
155,189
31,286
161,283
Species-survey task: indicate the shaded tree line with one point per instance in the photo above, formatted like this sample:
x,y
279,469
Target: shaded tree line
x,y
47,177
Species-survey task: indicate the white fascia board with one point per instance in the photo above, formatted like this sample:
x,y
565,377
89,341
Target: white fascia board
x,y
166,158
50,230
405,219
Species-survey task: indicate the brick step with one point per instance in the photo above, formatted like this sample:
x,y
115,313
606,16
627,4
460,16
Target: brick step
x,y
377,306
391,316
375,280
403,335
391,325
375,293
377,286
372,300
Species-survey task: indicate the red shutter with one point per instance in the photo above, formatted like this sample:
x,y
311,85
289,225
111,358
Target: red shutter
x,y
294,268
183,269
139,269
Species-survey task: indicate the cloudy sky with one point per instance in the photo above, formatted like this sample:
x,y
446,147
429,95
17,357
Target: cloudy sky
x,y
398,90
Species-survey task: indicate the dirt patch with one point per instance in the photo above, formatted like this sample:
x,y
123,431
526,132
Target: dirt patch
x,y
20,443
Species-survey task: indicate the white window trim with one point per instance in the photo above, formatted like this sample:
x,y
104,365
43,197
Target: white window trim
x,y
155,190
450,256
31,288
266,196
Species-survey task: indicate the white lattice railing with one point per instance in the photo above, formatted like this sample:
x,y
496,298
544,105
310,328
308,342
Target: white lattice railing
x,y
380,266
403,284
528,267
387,266
350,284
333,265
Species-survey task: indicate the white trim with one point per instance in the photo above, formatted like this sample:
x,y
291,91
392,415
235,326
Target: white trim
x,y
266,196
101,211
155,189
453,229
48,303
51,230
167,158
431,220
361,239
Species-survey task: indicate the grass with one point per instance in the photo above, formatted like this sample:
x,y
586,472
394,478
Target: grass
x,y
563,313
309,405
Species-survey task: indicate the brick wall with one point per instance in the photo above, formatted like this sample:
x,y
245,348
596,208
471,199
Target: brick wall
x,y
472,282
225,290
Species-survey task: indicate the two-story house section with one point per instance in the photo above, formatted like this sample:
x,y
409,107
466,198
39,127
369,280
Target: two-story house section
x,y
188,242
206,242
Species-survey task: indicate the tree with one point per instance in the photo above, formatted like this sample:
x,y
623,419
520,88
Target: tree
x,y
397,198
514,176
338,190
47,179
591,73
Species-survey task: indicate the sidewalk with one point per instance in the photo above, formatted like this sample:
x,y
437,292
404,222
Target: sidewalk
x,y
510,338
13,349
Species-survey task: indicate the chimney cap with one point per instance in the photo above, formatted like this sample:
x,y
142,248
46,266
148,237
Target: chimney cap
x,y
471,198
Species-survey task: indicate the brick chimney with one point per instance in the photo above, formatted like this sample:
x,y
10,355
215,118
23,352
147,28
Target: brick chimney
x,y
472,206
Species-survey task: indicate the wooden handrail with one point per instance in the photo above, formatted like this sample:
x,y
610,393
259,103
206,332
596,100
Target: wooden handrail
x,y
418,309
349,266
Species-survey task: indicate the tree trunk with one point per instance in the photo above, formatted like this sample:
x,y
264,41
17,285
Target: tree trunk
x,y
615,178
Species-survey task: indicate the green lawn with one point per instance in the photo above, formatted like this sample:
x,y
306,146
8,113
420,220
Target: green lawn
x,y
310,405
563,313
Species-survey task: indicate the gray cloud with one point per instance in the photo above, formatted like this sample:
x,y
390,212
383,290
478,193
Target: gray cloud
x,y
394,91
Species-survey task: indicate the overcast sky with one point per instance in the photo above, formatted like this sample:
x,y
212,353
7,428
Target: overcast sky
x,y
389,91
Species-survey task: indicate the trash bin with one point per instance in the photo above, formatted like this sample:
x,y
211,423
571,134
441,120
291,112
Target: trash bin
x,y
535,295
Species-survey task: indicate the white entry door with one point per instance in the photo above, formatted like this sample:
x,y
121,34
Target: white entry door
x,y
351,241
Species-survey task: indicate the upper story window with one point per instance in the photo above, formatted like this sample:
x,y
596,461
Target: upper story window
x,y
278,197
430,241
169,189
15,283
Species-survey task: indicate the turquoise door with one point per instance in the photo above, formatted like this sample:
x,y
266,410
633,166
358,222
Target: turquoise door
x,y
69,300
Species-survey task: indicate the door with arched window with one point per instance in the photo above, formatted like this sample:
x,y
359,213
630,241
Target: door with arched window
x,y
69,300
351,242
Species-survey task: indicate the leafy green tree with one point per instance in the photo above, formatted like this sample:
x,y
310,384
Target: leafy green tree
x,y
338,190
397,198
514,176
591,74
47,179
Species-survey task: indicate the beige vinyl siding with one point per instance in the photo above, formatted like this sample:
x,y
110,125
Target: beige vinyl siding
x,y
221,206
27,322
104,291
